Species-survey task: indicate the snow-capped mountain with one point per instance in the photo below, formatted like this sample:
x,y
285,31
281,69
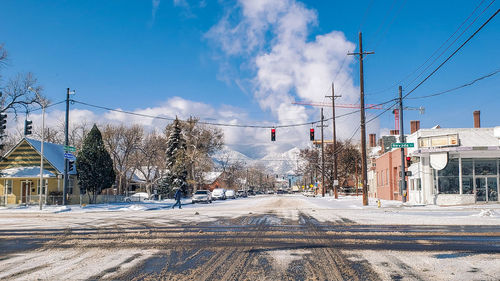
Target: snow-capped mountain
x,y
282,163
227,156
276,163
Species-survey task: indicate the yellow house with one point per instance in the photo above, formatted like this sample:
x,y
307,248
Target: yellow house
x,y
20,174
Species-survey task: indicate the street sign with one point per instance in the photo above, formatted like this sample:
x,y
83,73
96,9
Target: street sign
x,y
69,148
402,144
69,156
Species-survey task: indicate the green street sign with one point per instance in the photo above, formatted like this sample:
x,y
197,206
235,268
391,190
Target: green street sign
x,y
402,145
69,148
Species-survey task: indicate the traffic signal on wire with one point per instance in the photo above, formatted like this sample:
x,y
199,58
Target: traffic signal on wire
x,y
273,134
28,127
311,134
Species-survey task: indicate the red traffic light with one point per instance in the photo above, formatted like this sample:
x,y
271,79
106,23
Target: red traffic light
x,y
408,158
273,134
311,134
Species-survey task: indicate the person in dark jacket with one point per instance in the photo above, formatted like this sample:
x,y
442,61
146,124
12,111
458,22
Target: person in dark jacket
x,y
177,197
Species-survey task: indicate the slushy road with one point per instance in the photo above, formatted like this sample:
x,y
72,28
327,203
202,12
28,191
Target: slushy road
x,y
278,238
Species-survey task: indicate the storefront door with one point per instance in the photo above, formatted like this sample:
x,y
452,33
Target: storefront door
x,y
486,189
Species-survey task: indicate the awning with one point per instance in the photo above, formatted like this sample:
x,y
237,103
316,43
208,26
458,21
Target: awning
x,y
25,172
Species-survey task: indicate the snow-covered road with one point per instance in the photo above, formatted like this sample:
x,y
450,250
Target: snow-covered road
x,y
323,237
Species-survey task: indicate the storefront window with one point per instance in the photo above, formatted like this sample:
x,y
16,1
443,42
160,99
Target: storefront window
x,y
448,179
467,167
483,167
467,185
419,184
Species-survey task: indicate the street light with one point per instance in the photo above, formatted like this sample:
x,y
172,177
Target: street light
x,y
43,103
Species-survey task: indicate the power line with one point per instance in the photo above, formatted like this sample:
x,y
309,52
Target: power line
x,y
456,88
437,50
450,56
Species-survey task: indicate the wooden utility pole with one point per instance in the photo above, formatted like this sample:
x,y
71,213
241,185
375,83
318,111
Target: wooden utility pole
x,y
334,165
322,156
363,125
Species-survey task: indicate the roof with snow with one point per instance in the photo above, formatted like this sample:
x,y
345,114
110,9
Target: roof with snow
x,y
23,157
210,177
26,172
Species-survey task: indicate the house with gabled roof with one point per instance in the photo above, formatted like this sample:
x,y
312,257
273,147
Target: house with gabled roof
x,y
20,173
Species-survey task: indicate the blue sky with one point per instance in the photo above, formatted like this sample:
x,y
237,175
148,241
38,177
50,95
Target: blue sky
x,y
241,63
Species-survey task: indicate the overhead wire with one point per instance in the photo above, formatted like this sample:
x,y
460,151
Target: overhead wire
x,y
434,53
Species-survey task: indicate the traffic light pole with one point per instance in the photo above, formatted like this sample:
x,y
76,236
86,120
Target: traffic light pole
x,y
403,191
66,143
41,186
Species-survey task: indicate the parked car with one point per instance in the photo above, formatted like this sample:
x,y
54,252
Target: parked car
x,y
250,192
219,194
230,194
137,197
202,196
242,193
309,193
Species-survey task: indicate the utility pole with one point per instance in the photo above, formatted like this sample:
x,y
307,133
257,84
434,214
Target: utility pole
x,y
66,143
363,125
402,140
333,96
322,156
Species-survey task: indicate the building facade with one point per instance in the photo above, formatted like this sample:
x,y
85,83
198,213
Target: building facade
x,y
454,166
20,174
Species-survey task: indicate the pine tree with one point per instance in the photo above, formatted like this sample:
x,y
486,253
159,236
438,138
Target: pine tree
x,y
176,174
94,165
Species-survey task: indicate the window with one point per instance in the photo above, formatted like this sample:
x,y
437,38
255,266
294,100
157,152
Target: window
x,y
448,180
45,184
8,186
71,184
418,182
467,176
485,167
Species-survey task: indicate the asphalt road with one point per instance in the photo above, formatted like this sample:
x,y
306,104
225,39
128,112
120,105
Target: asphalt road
x,y
261,246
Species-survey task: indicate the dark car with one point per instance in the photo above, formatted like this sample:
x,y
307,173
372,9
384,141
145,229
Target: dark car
x,y
242,193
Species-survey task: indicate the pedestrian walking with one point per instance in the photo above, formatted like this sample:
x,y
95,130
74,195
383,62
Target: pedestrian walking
x,y
177,197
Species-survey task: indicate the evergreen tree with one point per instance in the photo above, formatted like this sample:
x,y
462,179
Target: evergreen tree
x,y
176,174
94,165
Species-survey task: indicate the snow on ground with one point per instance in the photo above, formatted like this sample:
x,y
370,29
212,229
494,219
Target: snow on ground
x,y
321,208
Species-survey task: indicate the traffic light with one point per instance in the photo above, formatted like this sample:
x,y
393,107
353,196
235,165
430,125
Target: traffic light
x,y
311,134
70,165
28,127
3,121
273,134
408,161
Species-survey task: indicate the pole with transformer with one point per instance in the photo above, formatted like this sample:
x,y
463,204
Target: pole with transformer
x,y
403,191
335,169
363,125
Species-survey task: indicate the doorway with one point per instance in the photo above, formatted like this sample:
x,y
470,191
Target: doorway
x,y
486,189
25,191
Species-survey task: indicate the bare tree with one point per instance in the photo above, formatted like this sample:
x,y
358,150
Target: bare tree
x,y
122,142
149,159
20,94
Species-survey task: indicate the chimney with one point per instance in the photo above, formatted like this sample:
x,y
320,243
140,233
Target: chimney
x,y
394,132
373,140
477,119
415,126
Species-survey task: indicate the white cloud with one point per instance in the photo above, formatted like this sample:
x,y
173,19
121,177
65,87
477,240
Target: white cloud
x,y
274,38
155,5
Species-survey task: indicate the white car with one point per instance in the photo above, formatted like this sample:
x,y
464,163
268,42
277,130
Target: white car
x,y
202,196
230,194
309,194
219,194
137,197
